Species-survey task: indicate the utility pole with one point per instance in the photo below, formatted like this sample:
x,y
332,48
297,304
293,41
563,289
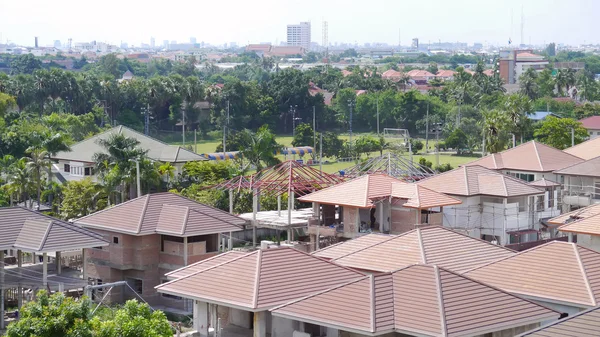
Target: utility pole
x,y
195,139
293,112
427,130
137,177
321,153
147,120
183,125
314,133
377,114
225,125
350,105
572,137
438,126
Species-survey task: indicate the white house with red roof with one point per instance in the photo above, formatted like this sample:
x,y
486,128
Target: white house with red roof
x,y
592,125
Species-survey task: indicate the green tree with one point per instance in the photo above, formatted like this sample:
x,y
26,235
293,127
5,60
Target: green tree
x,y
556,132
6,103
565,79
260,148
332,145
25,64
109,64
36,163
545,83
495,126
304,135
528,83
80,198
586,85
551,49
432,68
457,140
53,316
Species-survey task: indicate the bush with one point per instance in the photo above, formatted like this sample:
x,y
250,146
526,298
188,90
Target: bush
x,y
416,145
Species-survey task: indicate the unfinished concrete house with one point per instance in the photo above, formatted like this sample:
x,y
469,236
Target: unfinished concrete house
x,y
427,245
581,226
558,275
239,291
529,161
419,300
374,203
25,236
150,236
495,207
581,184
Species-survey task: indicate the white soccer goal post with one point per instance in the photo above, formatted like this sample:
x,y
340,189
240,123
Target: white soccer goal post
x,y
398,139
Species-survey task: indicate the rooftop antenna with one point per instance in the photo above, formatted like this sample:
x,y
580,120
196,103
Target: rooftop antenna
x,y
522,26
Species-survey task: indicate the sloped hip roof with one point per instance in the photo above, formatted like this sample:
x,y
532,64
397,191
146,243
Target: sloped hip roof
x,y
427,245
27,230
583,324
532,156
570,274
163,213
261,280
84,150
419,299
586,150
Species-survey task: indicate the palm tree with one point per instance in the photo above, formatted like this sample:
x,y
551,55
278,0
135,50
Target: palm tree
x,y
19,180
587,86
517,108
36,163
117,162
528,84
565,78
167,170
494,124
260,148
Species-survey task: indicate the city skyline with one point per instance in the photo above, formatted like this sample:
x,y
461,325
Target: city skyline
x,y
266,21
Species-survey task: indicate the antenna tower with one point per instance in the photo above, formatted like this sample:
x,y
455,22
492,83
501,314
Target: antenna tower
x,y
522,27
325,41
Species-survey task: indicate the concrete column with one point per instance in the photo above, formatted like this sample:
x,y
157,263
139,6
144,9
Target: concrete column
x,y
380,208
331,332
185,251
19,289
279,205
547,197
570,237
254,211
230,241
1,290
231,201
200,320
84,264
58,263
418,216
504,236
213,316
260,324
45,269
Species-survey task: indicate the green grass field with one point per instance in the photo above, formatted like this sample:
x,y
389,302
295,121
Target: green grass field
x,y
208,146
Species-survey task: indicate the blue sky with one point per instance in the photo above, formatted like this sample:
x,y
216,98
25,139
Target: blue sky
x,y
243,21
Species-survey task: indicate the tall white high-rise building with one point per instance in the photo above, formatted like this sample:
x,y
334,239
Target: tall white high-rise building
x,y
152,42
299,35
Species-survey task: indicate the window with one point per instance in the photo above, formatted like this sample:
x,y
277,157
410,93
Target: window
x,y
116,240
136,284
88,171
67,168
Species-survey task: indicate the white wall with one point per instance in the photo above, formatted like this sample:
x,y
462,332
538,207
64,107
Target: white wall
x,y
283,327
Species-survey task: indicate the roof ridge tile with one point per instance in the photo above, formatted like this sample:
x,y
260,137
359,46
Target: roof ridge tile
x,y
257,276
143,215
440,296
586,280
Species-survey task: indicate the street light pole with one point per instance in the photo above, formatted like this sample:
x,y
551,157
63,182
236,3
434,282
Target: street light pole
x,y
137,178
378,114
226,124
350,105
293,112
314,134
437,139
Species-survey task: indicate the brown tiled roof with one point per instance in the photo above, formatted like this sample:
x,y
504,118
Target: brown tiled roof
x,y
590,225
204,264
583,324
261,279
431,244
586,150
582,213
445,73
544,183
163,213
416,300
478,180
392,74
348,247
588,168
421,197
592,122
24,229
532,156
361,191
554,272
418,73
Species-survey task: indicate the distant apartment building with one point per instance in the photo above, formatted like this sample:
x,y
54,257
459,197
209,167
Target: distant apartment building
x,y
514,63
299,35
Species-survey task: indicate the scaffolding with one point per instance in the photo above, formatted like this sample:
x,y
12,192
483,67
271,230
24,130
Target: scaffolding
x,y
391,164
289,177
